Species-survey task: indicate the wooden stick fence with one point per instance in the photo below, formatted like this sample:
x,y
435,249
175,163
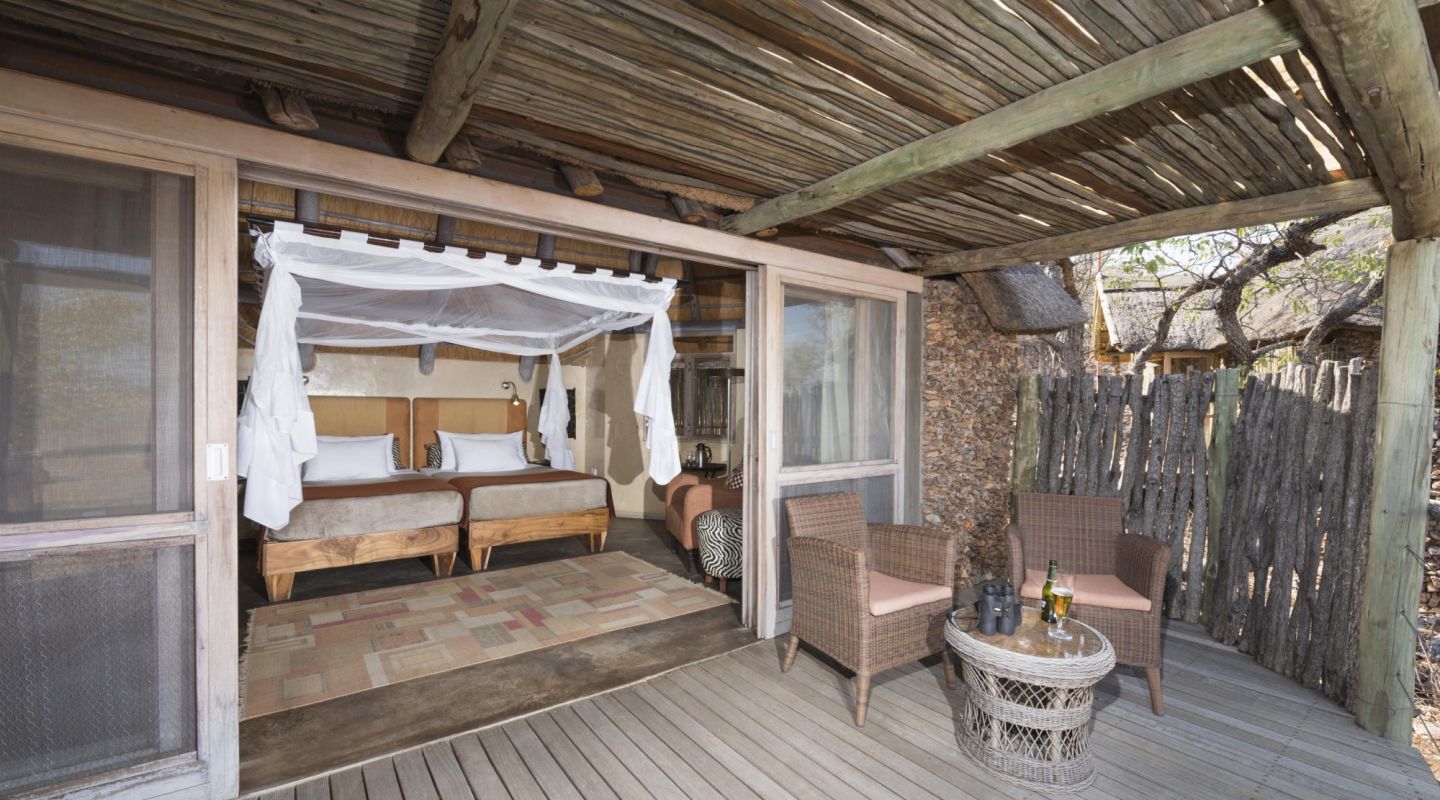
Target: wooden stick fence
x,y
1294,530
1109,435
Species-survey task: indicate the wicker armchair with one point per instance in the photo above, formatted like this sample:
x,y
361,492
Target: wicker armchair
x,y
872,597
1087,536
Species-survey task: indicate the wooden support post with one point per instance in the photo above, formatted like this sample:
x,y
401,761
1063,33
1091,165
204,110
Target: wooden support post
x,y
1385,684
472,37
545,247
583,182
307,207
1027,434
1227,404
287,108
461,154
649,264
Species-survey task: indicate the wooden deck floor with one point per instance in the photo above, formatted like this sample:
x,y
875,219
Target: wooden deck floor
x,y
736,727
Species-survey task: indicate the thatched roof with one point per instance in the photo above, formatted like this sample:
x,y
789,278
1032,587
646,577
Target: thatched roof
x,y
1132,310
1025,299
733,104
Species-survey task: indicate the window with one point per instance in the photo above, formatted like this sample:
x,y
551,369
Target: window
x,y
700,395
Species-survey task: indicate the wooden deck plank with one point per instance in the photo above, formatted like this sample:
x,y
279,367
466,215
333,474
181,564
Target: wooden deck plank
x,y
582,773
720,749
876,749
618,776
737,727
316,789
689,781
348,784
414,776
510,766
484,781
714,772
445,770
640,763
380,781
797,771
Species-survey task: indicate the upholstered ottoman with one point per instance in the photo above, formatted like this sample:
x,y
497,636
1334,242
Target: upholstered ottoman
x,y
720,532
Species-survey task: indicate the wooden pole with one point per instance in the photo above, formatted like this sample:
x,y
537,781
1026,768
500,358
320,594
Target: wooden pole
x,y
1376,56
583,182
1351,195
1024,464
471,40
1234,42
1227,404
1385,687
461,154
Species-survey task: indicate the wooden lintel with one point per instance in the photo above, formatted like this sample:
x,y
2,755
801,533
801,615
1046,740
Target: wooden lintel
x,y
583,182
461,154
287,108
1236,41
1353,195
472,38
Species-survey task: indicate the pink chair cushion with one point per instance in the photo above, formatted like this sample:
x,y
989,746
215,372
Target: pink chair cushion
x,y
888,594
1105,591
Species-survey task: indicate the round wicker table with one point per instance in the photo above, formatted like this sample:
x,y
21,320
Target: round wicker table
x,y
1028,697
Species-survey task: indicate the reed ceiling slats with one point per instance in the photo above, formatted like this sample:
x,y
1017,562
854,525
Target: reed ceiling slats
x,y
762,99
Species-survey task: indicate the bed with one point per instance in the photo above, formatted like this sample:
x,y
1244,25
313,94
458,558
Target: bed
x,y
500,506
345,522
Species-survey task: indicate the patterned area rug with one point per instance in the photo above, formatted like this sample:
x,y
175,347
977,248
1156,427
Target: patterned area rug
x,y
310,651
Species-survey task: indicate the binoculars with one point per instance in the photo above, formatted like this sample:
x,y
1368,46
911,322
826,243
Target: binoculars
x,y
998,608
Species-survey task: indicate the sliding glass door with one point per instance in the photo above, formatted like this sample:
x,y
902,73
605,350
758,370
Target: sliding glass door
x,y
117,641
836,420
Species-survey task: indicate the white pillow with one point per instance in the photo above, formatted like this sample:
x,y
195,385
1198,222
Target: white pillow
x,y
447,445
350,458
486,455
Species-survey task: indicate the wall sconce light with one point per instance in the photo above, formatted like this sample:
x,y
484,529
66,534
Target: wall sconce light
x,y
514,395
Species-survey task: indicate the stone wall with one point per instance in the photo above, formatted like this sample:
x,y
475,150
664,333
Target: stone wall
x,y
969,396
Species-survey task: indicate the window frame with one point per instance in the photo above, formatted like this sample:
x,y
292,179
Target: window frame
x,y
690,365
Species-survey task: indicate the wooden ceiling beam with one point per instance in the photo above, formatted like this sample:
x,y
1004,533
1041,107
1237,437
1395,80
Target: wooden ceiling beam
x,y
582,182
1245,38
472,37
1391,99
461,154
1353,195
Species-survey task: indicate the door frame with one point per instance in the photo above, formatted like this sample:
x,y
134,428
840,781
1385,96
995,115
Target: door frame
x,y
213,770
770,617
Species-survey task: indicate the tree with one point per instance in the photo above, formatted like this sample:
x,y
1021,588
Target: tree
x,y
1236,267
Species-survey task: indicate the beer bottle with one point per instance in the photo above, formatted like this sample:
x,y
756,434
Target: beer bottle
x,y
1047,611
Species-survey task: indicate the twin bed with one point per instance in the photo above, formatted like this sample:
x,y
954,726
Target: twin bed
x,y
421,511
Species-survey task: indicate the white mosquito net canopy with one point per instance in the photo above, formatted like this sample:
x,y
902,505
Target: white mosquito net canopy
x,y
349,292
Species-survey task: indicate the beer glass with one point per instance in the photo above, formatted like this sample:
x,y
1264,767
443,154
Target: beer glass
x,y
1061,597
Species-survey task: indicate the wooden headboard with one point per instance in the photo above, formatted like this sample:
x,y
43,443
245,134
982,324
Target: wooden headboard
x,y
337,415
463,415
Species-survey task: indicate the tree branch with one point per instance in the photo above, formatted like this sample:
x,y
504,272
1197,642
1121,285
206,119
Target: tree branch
x,y
1358,298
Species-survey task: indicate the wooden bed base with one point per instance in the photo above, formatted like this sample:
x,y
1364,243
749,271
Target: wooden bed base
x,y
486,535
279,561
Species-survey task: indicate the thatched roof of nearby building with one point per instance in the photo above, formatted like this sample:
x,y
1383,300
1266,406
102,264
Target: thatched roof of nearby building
x,y
1133,308
1025,299
747,108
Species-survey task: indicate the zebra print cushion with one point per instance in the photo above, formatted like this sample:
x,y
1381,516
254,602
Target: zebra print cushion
x,y
395,454
432,456
736,478
721,537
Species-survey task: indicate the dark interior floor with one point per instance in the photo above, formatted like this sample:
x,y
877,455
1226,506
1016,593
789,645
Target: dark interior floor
x,y
290,745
